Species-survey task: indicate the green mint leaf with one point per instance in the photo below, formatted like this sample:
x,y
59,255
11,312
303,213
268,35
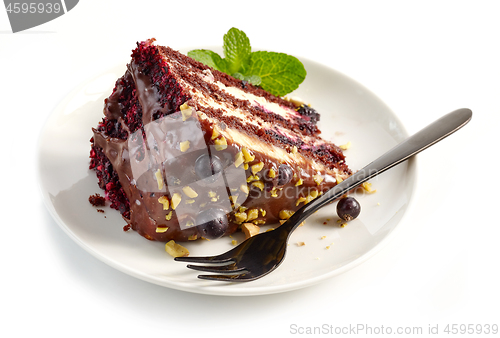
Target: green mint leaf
x,y
280,73
253,79
236,49
209,58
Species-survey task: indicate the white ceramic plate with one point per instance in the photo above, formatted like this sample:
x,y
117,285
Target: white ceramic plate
x,y
349,112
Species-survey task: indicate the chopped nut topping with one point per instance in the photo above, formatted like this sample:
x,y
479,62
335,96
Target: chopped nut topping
x,y
318,179
294,150
161,229
234,242
252,214
250,229
259,221
244,188
238,160
184,146
221,143
252,178
176,199
176,250
339,179
245,166
193,237
159,179
323,237
368,187
240,217
286,214
301,243
168,216
186,112
343,225
257,167
259,184
274,193
271,173
248,157
345,146
164,200
299,182
300,200
215,134
189,192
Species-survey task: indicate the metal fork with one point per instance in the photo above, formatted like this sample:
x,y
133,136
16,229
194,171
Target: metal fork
x,y
263,253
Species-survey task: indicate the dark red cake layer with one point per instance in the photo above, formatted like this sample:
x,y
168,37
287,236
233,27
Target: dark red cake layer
x,y
151,89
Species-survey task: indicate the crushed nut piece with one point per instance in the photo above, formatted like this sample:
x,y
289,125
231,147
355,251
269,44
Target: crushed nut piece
x,y
300,200
234,242
339,179
164,200
342,225
345,146
318,179
301,243
259,184
368,187
215,134
189,192
271,173
240,217
274,192
248,157
184,146
252,214
193,237
323,237
238,160
159,179
176,250
257,167
250,229
299,182
161,229
186,112
168,216
263,212
244,188
294,150
252,178
221,143
176,199
286,214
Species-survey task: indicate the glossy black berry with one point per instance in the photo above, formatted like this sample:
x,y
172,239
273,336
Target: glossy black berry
x,y
212,223
285,174
208,166
348,208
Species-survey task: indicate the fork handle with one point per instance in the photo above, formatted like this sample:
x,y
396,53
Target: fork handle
x,y
423,139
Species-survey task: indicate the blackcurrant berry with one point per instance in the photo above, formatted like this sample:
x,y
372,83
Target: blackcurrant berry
x,y
348,208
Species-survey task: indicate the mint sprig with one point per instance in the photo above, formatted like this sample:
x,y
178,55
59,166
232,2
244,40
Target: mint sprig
x,y
277,73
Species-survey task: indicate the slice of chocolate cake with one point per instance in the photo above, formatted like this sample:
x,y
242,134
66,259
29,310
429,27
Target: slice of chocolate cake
x,y
185,151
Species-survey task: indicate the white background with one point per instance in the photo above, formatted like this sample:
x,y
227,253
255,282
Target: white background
x,y
422,58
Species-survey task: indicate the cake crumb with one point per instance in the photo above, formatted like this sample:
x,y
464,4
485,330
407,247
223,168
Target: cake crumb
x,y
100,210
323,237
97,200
